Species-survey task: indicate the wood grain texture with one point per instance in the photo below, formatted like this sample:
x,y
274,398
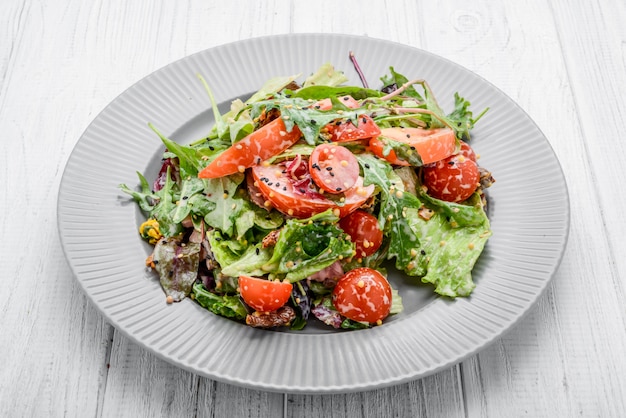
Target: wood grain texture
x,y
61,63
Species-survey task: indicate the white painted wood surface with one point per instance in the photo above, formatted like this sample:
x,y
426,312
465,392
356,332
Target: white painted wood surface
x,y
61,62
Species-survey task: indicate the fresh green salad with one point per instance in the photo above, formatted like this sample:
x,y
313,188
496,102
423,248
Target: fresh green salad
x,y
298,198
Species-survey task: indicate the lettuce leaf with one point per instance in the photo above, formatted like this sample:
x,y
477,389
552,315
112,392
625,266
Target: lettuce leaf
x,y
307,246
223,305
177,266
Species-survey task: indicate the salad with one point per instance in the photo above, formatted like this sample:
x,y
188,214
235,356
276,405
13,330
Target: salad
x,y
301,197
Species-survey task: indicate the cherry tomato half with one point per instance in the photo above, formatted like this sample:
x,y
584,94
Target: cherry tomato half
x,y
363,294
333,168
453,179
364,231
264,295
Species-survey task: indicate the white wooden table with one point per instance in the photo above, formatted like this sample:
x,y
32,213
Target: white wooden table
x,y
62,62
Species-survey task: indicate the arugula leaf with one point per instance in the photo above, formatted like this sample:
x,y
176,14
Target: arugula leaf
x,y
394,203
396,80
402,150
297,111
145,198
220,126
223,305
192,200
323,92
462,118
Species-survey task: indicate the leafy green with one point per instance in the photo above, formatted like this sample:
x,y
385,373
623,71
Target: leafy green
x,y
397,80
177,266
326,75
237,257
297,111
228,207
402,150
192,201
449,250
159,205
271,86
322,92
307,246
224,305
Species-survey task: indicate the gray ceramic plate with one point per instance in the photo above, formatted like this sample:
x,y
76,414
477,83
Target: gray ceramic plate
x,y
529,213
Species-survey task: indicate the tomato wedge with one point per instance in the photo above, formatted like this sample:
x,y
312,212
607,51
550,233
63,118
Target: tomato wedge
x,y
431,144
260,145
346,130
298,196
363,294
264,295
333,168
327,104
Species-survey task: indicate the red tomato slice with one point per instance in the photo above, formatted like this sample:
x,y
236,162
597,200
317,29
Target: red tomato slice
x,y
260,145
453,179
364,231
345,130
299,198
327,104
264,295
333,168
431,144
363,294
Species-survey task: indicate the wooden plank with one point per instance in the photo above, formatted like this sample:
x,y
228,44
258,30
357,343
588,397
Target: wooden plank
x,y
434,396
53,341
561,360
224,400
139,384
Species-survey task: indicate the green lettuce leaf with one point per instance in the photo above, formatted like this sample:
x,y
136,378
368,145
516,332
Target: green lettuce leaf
x,y
326,75
223,305
450,251
307,246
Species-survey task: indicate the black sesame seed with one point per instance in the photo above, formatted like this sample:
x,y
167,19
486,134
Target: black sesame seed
x,y
285,189
408,135
423,252
313,122
329,168
450,162
211,148
257,251
338,189
225,191
331,174
185,197
367,165
302,191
